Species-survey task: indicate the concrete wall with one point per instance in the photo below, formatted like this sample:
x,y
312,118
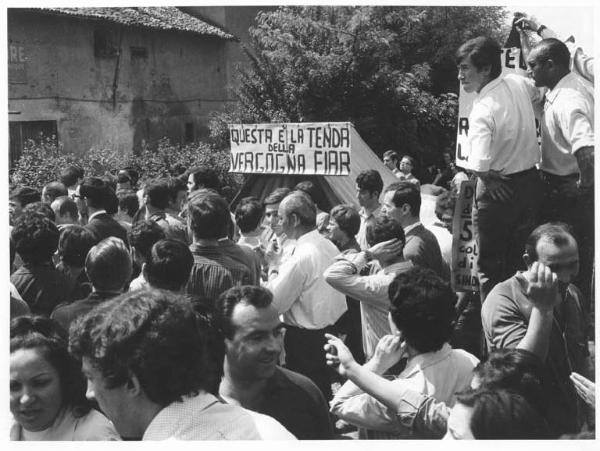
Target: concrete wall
x,y
181,81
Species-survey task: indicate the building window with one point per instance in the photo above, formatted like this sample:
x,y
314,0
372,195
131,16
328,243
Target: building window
x,y
189,132
104,43
138,52
21,131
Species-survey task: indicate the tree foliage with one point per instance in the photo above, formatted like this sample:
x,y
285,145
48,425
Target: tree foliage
x,y
388,70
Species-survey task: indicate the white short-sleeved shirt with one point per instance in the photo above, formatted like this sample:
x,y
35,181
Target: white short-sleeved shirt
x,y
567,124
502,133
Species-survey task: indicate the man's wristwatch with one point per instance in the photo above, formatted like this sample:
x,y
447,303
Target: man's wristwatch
x,y
540,29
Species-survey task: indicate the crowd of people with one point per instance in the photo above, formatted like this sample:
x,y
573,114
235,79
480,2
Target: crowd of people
x,y
278,320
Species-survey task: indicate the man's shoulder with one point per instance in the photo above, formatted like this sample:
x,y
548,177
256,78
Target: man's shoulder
x,y
285,378
507,297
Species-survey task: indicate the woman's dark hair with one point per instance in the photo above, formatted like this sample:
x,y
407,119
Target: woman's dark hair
x,y
503,415
74,244
423,308
35,237
384,229
45,334
41,208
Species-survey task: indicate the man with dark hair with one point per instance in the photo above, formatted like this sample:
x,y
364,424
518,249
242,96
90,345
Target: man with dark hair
x,y
308,305
145,360
128,206
369,186
95,193
73,246
65,211
567,165
540,310
142,236
38,282
168,266
311,189
253,343
71,176
108,267
19,198
279,246
391,160
422,316
203,178
156,200
344,222
249,215
503,154
214,271
402,203
386,241
177,197
407,166
53,190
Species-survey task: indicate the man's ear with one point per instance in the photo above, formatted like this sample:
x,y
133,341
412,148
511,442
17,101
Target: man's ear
x,y
133,385
527,259
405,209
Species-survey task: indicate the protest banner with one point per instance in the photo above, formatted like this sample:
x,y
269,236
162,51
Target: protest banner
x,y
291,148
464,246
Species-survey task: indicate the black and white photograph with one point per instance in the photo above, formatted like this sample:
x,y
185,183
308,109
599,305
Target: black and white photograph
x,y
317,222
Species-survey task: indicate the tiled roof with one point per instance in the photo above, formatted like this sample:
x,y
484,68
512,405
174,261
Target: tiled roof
x,y
161,18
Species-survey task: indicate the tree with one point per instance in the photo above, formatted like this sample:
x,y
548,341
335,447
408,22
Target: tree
x,y
386,69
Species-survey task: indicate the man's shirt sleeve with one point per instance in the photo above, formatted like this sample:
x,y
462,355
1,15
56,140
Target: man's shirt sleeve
x,y
481,135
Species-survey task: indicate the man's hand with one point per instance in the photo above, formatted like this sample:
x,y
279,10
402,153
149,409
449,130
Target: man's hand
x,y
527,22
495,185
388,352
337,355
386,249
585,388
542,287
585,161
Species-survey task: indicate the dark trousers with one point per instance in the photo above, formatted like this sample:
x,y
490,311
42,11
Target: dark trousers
x,y
304,354
564,202
501,228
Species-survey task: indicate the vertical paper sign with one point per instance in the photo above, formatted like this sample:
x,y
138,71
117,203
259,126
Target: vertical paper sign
x,y
465,253
292,148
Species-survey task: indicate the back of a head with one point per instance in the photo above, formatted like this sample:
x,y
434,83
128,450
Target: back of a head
x,y
143,235
248,214
208,214
70,175
112,201
483,51
108,265
556,50
64,205
205,177
422,308
370,180
74,244
300,204
503,415
176,185
35,237
406,193
153,334
128,202
309,188
25,195
41,208
168,265
347,218
95,191
257,296
276,196
158,193
384,229
53,190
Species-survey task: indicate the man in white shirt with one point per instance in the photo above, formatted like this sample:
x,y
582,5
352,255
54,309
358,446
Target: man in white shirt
x,y
308,305
145,360
503,154
386,238
369,186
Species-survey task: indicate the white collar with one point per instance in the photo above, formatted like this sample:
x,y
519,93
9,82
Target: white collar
x,y
99,212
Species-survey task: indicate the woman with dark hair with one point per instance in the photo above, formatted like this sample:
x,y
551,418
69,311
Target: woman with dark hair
x,y
47,388
495,415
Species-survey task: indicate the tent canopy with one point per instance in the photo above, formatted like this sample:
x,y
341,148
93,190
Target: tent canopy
x,y
333,190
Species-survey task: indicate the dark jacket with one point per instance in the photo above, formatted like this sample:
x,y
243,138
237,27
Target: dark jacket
x,y
103,226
